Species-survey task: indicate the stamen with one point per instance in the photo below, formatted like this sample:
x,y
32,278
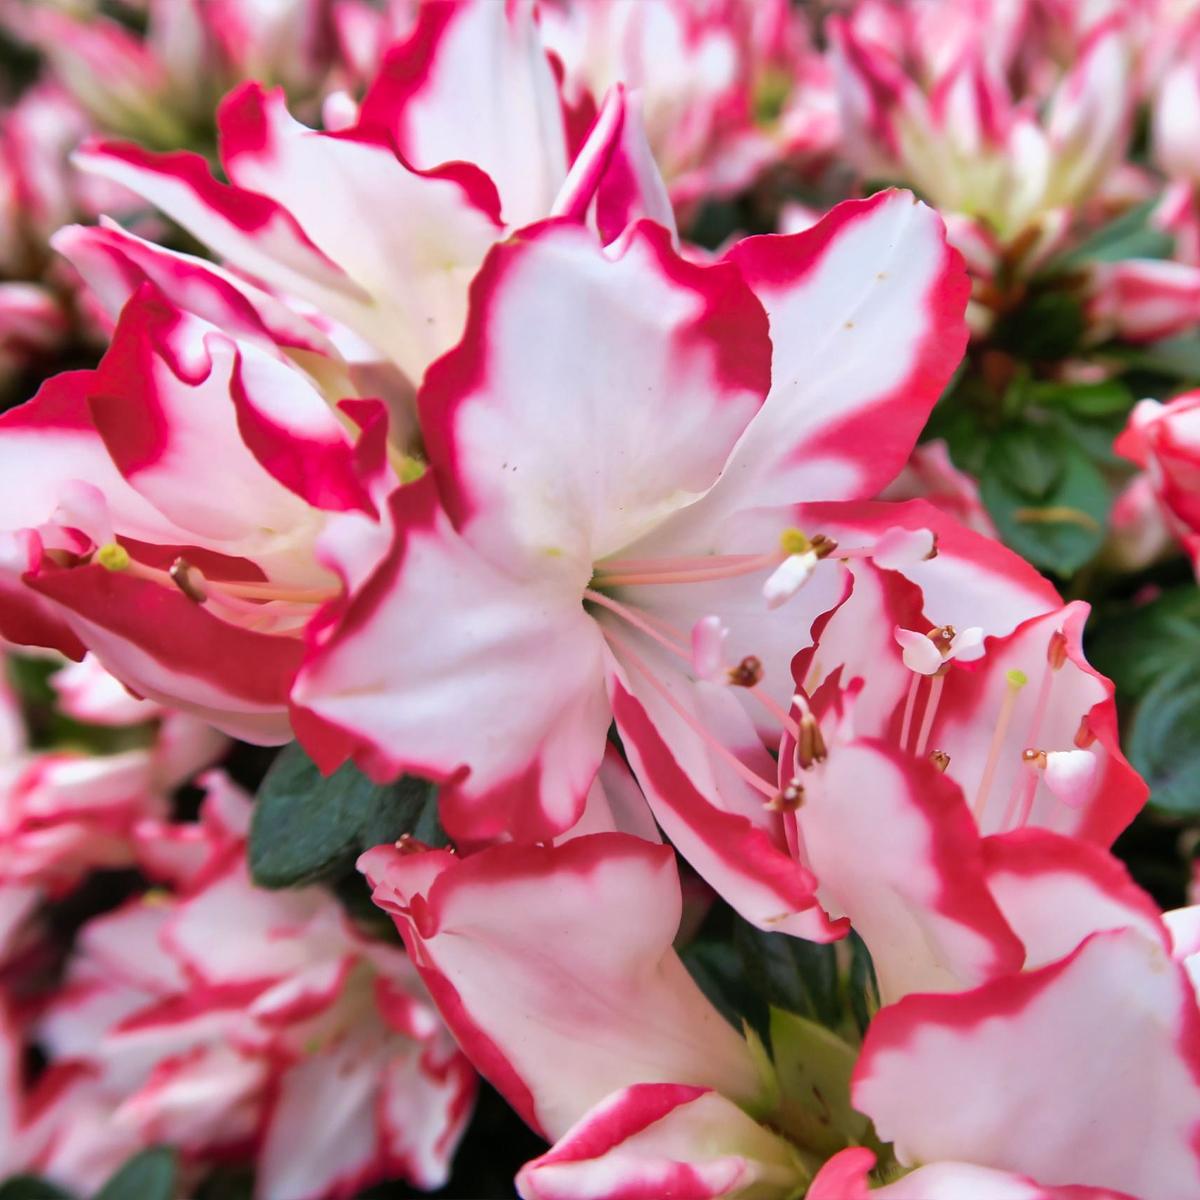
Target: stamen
x,y
181,575
940,759
788,800
690,719
810,744
748,673
1016,681
764,698
627,614
607,576
931,707
113,557
910,705
1021,802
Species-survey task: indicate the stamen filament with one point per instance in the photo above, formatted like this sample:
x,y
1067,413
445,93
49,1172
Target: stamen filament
x,y
1021,802
627,614
1016,681
746,566
931,707
776,710
694,723
910,705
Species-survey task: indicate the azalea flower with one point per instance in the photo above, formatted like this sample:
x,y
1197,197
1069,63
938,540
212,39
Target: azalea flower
x,y
1164,439
299,1044
462,132
558,534
193,587
945,118
1101,1007
161,86
65,812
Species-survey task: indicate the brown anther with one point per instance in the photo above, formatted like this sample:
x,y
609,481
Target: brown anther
x,y
406,844
823,545
1056,652
1084,736
1034,758
788,800
810,745
940,759
942,637
933,549
748,673
187,580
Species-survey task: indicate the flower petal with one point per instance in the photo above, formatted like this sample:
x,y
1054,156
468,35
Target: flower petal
x,y
517,948
437,632
995,1076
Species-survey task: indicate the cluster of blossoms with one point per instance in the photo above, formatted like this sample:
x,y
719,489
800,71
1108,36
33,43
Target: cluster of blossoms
x,y
427,438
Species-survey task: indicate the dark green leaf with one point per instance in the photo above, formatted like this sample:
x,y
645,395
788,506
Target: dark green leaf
x,y
1135,646
1164,743
29,1187
308,826
1028,462
151,1175
790,973
1130,236
1062,529
1101,399
1178,357
1047,327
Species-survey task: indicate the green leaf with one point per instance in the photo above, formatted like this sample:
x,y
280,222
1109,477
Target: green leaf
x,y
1104,398
1062,528
1164,743
1130,236
813,1068
29,1187
1135,646
151,1175
1046,327
1178,357
1027,462
308,826
790,973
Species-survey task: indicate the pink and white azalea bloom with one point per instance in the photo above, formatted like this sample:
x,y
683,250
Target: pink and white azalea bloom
x,y
664,1139
170,504
846,1176
1101,1009
554,968
558,534
462,135
941,112
725,89
299,1044
65,812
1025,727
161,86
1164,439
1143,300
